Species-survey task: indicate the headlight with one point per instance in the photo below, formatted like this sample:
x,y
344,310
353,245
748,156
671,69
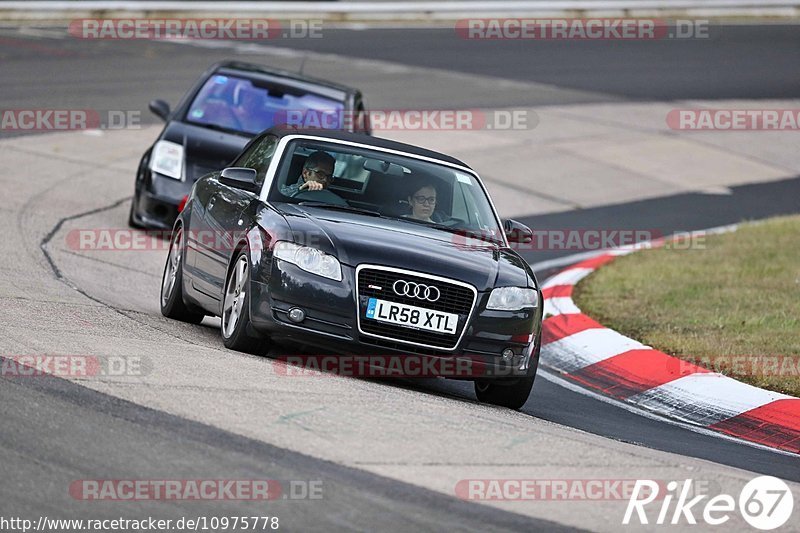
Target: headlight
x,y
512,299
167,159
309,259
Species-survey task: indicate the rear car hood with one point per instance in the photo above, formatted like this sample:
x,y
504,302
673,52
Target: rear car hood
x,y
205,150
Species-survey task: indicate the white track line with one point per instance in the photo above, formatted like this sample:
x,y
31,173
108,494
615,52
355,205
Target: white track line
x,y
561,382
705,398
588,347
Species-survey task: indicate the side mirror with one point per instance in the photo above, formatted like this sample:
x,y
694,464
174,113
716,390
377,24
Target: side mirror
x,y
240,178
159,108
517,232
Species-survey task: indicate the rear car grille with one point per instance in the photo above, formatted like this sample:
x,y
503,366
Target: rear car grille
x,y
454,298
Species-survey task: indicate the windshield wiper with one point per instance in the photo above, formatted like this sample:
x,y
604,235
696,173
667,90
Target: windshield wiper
x,y
338,207
217,127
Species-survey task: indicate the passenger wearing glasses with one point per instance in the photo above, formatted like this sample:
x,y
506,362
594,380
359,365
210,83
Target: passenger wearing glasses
x,y
423,202
316,175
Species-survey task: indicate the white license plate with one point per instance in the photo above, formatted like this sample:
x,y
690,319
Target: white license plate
x,y
411,316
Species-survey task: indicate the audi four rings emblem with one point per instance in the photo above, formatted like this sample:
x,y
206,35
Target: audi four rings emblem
x,y
416,290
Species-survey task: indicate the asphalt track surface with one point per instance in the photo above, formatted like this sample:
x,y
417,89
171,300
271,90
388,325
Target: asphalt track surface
x,y
127,438
61,431
740,61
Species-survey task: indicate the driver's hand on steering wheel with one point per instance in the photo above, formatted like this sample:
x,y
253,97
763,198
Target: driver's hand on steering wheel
x,y
311,186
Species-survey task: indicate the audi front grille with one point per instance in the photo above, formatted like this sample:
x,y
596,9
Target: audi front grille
x,y
379,282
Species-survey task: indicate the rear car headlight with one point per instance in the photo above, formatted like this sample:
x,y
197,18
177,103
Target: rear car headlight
x,y
309,259
167,159
512,299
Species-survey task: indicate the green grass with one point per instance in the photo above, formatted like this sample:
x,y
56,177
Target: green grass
x,y
735,295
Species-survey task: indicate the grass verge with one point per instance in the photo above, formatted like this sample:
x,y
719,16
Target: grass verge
x,y
730,303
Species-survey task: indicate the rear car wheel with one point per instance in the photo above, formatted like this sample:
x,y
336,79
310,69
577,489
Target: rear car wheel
x,y
511,393
172,304
237,332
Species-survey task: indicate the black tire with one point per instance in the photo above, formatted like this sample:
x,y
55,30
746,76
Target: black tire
x,y
239,335
172,304
507,392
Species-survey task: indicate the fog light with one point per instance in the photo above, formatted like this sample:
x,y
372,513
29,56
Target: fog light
x,y
296,315
508,354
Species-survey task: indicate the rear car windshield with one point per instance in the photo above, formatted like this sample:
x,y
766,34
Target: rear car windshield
x,y
243,105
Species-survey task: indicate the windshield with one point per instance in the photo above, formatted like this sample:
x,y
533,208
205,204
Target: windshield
x,y
331,175
250,106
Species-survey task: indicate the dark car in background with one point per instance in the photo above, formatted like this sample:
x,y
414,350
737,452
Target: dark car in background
x,y
354,267
230,104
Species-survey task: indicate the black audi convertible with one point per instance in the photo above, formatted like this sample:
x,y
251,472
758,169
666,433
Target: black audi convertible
x,y
350,244
230,104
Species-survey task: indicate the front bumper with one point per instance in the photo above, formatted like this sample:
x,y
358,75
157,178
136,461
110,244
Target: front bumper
x,y
331,325
156,202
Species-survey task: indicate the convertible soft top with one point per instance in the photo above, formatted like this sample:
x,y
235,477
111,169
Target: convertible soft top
x,y
282,131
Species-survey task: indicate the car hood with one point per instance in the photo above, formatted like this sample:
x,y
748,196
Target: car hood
x,y
206,150
357,239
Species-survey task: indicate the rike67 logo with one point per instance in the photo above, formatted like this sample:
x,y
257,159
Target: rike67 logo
x,y
765,503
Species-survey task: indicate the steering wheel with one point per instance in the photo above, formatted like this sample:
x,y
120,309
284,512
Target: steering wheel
x,y
301,189
323,195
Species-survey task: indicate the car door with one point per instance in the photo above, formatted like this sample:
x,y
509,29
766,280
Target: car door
x,y
225,227
197,242
224,221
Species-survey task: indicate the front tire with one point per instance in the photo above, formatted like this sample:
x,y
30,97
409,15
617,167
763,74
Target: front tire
x,y
237,331
511,393
172,304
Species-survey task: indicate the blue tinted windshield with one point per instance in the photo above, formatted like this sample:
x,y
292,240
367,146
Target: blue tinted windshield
x,y
236,104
